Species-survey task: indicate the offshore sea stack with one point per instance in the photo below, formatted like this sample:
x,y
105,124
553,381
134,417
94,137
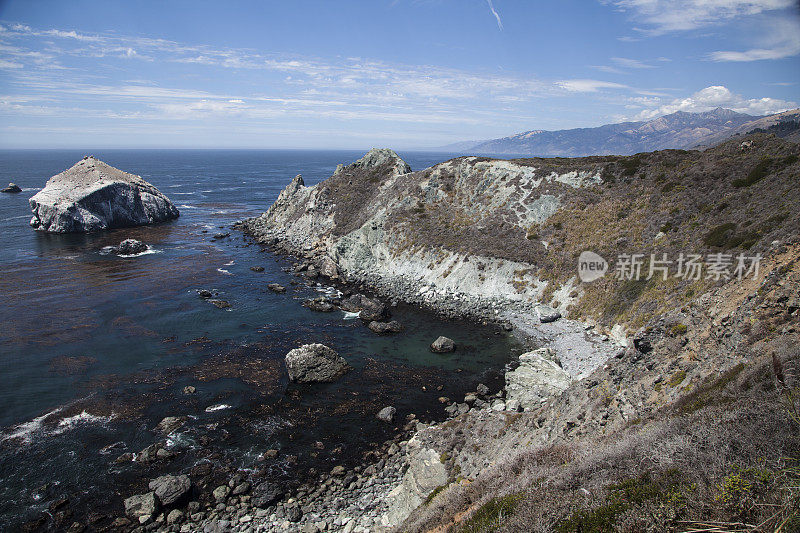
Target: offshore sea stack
x,y
94,196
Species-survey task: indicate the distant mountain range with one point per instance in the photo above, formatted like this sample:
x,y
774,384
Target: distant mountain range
x,y
677,130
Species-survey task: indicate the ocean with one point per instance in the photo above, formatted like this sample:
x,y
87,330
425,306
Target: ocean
x,y
96,349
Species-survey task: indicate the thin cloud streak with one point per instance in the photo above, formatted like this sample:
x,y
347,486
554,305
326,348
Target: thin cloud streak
x,y
496,15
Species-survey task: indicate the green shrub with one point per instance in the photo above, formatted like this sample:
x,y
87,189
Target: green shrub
x,y
630,165
491,515
718,237
678,329
759,172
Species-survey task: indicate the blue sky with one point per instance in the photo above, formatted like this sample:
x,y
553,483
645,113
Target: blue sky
x,y
400,73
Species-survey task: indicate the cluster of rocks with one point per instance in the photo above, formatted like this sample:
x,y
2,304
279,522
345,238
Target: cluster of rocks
x,y
350,500
212,298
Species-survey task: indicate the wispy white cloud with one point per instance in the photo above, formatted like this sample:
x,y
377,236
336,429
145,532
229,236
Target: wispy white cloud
x,y
630,63
5,64
588,86
662,16
496,14
780,40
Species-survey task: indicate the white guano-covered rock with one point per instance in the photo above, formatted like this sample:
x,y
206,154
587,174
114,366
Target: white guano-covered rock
x,y
538,377
93,196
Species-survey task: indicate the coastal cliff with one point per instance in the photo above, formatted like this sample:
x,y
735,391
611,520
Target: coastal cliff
x,y
653,378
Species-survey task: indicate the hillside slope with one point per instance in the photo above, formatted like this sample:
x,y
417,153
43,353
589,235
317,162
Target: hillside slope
x,y
680,403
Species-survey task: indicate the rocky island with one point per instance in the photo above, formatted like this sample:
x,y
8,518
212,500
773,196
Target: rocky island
x,y
93,196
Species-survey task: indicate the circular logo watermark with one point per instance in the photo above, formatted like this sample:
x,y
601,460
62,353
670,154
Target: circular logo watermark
x,y
591,266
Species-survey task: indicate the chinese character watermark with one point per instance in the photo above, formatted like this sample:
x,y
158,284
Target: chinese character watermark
x,y
695,267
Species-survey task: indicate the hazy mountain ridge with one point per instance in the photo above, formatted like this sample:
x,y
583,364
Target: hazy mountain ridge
x,y
679,130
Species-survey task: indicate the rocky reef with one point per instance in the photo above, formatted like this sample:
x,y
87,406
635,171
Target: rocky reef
x,y
92,196
629,381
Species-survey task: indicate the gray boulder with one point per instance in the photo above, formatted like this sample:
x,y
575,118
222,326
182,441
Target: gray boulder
x,y
538,377
547,314
12,188
315,363
373,310
93,196
266,493
141,507
171,490
369,309
443,345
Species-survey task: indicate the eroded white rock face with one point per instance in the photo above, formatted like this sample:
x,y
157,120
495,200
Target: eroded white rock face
x,y
93,196
425,473
538,377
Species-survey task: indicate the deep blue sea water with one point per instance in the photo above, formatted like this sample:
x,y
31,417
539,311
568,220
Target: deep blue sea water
x,y
96,349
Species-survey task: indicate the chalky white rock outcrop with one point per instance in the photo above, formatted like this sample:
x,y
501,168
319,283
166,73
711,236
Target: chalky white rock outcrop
x,y
94,196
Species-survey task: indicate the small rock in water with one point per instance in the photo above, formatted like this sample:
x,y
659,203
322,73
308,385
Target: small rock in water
x,y
130,247
12,188
189,389
387,414
205,294
257,269
171,423
373,310
320,304
220,304
443,345
276,287
482,389
385,328
218,236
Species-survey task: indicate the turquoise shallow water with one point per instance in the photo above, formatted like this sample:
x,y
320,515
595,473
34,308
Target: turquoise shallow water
x,y
96,349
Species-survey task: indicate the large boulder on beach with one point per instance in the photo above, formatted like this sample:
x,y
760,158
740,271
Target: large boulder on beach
x,y
315,363
538,377
93,196
266,493
547,314
171,490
